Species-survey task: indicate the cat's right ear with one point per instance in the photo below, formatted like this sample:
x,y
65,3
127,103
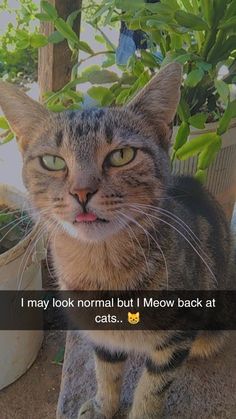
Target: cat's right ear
x,y
157,102
26,117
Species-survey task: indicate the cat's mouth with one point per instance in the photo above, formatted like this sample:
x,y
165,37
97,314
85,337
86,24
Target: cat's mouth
x,y
89,218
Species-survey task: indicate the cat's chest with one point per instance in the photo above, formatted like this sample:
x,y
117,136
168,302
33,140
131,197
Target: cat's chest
x,y
94,267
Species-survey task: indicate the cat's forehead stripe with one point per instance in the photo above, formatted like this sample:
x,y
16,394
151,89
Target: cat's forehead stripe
x,y
59,138
90,121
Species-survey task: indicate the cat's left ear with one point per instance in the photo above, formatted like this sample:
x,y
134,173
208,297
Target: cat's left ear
x,y
157,102
27,118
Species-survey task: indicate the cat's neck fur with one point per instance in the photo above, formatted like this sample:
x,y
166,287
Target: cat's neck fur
x,y
117,263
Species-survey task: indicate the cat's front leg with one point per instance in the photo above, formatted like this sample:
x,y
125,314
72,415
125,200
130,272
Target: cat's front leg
x,y
160,370
109,373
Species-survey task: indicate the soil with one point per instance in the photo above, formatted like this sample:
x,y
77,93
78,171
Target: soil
x,y
14,226
35,394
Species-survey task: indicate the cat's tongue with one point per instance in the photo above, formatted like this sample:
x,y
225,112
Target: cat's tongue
x,y
88,216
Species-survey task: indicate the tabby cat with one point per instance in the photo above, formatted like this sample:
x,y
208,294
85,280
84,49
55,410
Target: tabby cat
x,y
101,182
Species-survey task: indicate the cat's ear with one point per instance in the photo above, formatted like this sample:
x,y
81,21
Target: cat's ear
x,y
26,116
158,100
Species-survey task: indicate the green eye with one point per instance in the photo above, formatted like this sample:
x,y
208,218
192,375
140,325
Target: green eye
x,y
121,157
53,163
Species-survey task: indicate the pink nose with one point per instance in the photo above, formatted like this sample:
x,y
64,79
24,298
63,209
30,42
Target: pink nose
x,y
83,194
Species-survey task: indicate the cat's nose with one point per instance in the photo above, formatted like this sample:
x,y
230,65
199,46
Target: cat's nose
x,y
83,195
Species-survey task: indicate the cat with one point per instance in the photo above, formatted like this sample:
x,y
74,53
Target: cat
x,y
133,318
118,220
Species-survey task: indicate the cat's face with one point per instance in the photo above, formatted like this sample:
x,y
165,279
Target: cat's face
x,y
103,166
133,318
88,171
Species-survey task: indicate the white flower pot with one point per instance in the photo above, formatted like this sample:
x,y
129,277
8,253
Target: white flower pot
x,y
221,174
18,349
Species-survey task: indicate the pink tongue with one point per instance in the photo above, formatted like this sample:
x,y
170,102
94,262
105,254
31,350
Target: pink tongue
x,y
86,217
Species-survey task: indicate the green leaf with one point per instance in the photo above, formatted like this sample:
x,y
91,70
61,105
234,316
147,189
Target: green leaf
x,y
228,24
84,46
3,123
102,77
222,52
231,11
163,10
56,37
201,175
23,44
208,11
148,59
56,107
207,155
223,90
8,138
198,120
140,82
188,5
189,20
176,41
111,59
49,9
182,135
66,31
130,5
43,17
183,58
196,145
101,94
183,110
194,77
101,11
100,39
203,65
22,35
38,40
172,4
225,120
89,70
123,97
59,357
72,17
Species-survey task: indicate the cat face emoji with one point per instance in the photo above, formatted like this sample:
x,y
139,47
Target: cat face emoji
x,y
133,318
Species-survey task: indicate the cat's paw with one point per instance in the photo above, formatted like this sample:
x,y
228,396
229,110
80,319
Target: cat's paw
x,y
89,410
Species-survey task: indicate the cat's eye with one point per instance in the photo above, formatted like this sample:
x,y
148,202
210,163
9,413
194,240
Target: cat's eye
x,y
121,157
53,163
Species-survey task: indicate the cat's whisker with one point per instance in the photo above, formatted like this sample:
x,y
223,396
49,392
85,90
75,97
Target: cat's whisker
x,y
160,248
157,244
139,244
30,249
34,241
179,221
12,228
53,234
32,245
185,238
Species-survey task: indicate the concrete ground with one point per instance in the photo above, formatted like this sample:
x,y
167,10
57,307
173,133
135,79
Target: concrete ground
x,y
35,394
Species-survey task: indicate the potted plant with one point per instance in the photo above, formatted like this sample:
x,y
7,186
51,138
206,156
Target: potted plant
x,y
21,251
200,34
